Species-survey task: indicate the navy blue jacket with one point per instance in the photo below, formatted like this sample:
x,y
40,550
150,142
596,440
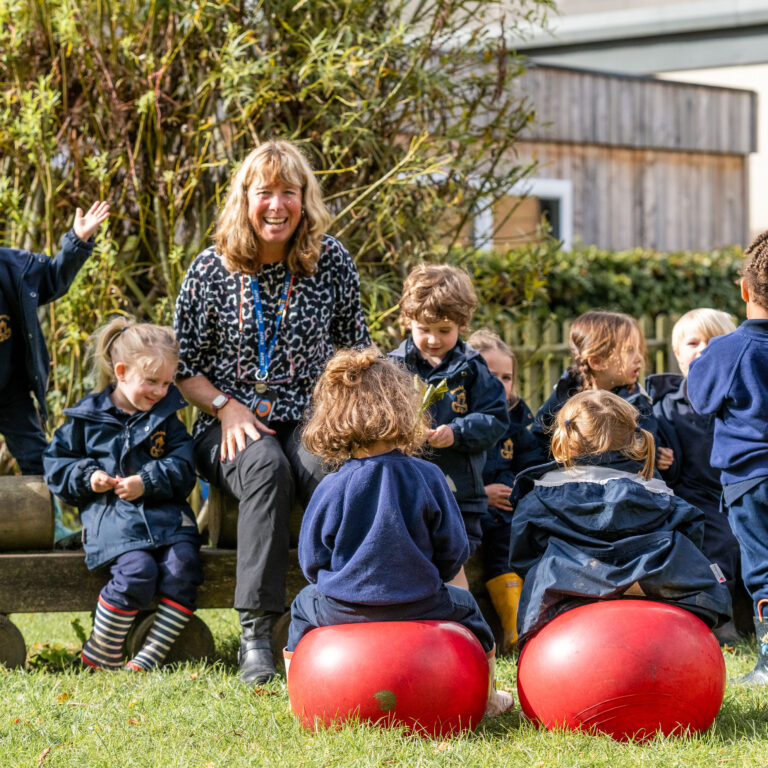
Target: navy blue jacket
x,y
567,386
592,531
476,408
690,436
381,531
730,380
28,280
516,451
153,444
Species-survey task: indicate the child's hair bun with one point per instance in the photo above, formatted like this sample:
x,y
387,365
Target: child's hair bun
x,y
348,366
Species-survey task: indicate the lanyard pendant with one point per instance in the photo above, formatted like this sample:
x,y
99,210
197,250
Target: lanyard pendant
x,y
260,387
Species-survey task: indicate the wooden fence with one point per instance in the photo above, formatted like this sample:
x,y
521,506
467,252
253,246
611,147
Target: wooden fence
x,y
543,353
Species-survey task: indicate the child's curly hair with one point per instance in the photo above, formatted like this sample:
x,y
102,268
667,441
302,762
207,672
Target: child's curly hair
x,y
600,335
360,399
755,270
435,292
596,421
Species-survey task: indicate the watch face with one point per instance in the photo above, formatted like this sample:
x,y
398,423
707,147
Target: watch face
x,y
219,400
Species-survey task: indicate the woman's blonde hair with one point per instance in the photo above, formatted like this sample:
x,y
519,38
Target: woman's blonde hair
x,y
362,398
141,345
707,322
484,340
596,421
435,292
235,238
600,335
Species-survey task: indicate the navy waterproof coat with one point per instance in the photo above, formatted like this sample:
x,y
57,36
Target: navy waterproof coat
x,y
153,444
566,387
475,406
28,280
598,530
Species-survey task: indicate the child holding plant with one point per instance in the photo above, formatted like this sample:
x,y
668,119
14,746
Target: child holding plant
x,y
381,534
127,461
436,306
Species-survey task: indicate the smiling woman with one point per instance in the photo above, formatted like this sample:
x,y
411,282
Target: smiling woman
x,y
258,315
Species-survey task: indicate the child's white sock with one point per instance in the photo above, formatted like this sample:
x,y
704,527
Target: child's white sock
x,y
170,619
104,648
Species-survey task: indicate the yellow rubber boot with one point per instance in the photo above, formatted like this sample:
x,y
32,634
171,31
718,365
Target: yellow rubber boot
x,y
505,592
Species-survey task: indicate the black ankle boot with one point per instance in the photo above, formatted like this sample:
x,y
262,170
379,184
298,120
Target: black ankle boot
x,y
255,656
759,675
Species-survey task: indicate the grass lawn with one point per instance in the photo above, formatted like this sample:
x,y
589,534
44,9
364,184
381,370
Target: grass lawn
x,y
199,716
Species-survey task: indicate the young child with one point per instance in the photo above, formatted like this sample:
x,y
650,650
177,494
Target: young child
x,y
27,281
126,460
381,534
730,380
689,436
608,349
517,450
437,304
596,524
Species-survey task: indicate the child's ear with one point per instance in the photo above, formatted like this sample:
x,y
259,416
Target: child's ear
x,y
595,363
744,290
121,369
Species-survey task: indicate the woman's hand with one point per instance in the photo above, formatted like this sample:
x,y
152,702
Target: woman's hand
x,y
237,424
498,496
665,457
129,488
442,437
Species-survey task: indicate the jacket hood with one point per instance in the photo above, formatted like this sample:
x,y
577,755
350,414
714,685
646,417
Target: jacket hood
x,y
659,385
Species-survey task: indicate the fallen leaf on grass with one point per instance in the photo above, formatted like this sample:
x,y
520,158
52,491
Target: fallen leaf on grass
x,y
442,746
194,676
63,697
258,691
133,721
43,755
728,648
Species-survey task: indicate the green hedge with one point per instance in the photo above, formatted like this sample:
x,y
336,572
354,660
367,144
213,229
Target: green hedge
x,y
642,282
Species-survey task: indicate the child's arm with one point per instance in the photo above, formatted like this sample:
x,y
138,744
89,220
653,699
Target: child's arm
x,y
711,373
54,276
169,477
70,473
528,541
487,417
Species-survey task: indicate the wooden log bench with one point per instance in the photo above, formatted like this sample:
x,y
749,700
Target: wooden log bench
x,y
42,581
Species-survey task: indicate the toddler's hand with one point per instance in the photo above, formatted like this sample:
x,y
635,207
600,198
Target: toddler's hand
x,y
129,488
665,457
85,226
101,482
498,496
442,437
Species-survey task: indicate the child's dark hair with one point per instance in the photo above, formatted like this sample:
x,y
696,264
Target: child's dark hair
x,y
599,335
135,344
484,340
597,421
360,399
755,270
435,292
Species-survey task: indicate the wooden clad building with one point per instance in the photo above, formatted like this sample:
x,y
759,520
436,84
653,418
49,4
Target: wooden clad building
x,y
628,161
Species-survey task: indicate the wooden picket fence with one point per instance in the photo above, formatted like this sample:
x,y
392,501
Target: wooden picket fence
x,y
543,353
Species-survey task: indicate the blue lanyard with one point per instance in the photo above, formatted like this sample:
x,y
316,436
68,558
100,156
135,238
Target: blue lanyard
x,y
265,352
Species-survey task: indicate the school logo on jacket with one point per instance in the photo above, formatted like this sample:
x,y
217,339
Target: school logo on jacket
x,y
459,404
507,449
158,444
5,327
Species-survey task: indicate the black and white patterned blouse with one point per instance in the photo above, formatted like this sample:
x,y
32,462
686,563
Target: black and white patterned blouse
x,y
324,311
